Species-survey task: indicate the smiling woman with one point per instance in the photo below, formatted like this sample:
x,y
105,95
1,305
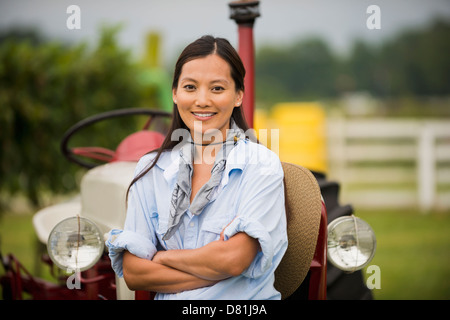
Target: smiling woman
x,y
206,93
205,227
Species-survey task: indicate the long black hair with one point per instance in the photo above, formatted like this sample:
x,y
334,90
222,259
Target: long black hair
x,y
201,48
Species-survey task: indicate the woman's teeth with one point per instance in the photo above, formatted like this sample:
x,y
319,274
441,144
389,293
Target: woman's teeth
x,y
204,115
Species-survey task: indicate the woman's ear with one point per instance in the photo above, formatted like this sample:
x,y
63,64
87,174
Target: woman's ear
x,y
240,96
174,95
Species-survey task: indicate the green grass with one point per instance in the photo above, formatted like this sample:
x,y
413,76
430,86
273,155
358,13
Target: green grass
x,y
17,237
413,251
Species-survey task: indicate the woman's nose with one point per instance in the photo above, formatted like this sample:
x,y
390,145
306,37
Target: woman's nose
x,y
203,98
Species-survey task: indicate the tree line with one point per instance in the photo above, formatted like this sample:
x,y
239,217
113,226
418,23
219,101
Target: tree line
x,y
414,63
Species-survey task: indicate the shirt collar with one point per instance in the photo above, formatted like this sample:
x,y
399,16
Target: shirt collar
x,y
169,164
236,160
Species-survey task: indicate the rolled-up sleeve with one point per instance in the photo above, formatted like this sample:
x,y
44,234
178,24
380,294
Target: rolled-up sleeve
x,y
138,236
120,240
256,230
261,214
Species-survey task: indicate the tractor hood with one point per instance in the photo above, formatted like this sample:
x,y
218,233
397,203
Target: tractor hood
x,y
102,200
103,194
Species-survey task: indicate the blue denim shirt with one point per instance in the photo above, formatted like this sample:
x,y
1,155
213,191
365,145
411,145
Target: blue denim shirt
x,y
250,196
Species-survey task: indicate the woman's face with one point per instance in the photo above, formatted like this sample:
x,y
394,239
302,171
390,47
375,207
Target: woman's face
x,y
206,96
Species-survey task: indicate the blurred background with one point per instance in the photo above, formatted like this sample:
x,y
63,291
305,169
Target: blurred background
x,y
368,107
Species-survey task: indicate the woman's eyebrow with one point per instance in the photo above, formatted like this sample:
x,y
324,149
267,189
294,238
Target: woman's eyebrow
x,y
225,81
187,79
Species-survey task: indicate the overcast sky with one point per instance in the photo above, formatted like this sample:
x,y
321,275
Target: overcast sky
x,y
180,21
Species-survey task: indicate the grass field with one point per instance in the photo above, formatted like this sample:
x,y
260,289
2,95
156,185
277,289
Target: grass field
x,y
413,251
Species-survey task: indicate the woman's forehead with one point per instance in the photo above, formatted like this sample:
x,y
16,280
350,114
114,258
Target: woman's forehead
x,y
211,67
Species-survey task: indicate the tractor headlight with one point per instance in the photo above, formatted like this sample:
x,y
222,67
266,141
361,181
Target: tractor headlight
x,y
75,243
351,243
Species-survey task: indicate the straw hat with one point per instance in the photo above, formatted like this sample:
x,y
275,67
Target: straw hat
x,y
303,210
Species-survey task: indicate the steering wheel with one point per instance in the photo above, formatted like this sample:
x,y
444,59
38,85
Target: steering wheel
x,y
144,139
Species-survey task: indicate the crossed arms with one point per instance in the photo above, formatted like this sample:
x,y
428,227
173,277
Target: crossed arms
x,y
180,270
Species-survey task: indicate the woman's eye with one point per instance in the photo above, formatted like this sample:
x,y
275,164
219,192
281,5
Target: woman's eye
x,y
189,87
217,89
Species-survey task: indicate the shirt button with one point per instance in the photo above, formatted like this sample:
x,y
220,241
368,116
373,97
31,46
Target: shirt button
x,y
192,224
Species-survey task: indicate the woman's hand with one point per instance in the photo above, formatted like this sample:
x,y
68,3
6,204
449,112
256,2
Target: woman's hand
x,y
222,234
157,258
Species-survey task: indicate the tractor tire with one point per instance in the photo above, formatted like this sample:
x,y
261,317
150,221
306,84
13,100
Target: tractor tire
x,y
341,285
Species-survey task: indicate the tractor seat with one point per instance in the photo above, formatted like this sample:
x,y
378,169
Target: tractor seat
x,y
133,147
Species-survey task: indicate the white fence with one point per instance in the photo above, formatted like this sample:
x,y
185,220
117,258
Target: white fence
x,y
391,162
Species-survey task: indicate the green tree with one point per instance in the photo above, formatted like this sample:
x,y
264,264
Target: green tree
x,y
304,70
47,87
414,63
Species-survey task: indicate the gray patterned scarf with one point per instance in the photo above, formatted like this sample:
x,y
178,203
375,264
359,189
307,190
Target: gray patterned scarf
x,y
180,201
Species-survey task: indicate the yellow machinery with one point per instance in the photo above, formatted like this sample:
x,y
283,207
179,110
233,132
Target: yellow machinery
x,y
296,132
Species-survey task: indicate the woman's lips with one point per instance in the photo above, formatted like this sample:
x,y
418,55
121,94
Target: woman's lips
x,y
202,116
